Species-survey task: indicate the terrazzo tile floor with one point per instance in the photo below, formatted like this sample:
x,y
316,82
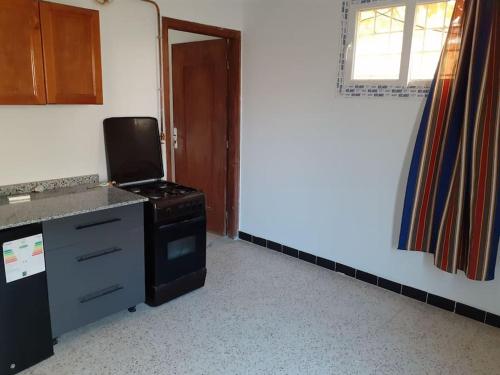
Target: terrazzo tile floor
x,y
262,312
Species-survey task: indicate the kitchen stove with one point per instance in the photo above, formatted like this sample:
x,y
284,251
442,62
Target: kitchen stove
x,y
174,216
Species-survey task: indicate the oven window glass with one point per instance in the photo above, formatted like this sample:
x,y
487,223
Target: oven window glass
x,y
182,247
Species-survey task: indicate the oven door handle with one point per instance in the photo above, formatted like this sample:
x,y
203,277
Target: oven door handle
x,y
184,222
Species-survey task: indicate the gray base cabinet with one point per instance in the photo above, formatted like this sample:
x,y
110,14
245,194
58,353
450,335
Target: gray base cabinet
x,y
95,265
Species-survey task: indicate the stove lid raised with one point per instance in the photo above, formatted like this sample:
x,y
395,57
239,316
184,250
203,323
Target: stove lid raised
x,y
133,149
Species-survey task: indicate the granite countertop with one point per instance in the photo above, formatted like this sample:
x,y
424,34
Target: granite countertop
x,y
63,202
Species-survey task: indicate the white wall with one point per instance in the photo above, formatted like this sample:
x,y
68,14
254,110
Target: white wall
x,y
43,142
323,173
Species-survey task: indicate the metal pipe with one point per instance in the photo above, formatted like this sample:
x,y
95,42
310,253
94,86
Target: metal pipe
x,y
160,54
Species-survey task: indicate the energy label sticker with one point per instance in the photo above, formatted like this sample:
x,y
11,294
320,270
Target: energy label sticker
x,y
23,257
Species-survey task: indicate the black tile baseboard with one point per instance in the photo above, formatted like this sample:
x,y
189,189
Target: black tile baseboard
x,y
259,241
245,237
307,257
414,293
389,285
408,291
325,263
470,312
274,246
441,302
290,251
346,270
366,277
492,320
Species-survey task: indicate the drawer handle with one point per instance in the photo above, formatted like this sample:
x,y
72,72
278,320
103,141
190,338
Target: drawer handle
x,y
85,226
100,293
97,254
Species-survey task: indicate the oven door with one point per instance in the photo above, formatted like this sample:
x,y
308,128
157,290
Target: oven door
x,y
180,248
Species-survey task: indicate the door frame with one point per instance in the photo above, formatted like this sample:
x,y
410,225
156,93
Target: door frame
x,y
233,38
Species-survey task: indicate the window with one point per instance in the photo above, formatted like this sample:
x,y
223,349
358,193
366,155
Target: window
x,y
395,42
429,34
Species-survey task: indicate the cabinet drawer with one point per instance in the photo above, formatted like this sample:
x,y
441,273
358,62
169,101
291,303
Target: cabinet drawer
x,y
105,225
86,266
89,281
74,311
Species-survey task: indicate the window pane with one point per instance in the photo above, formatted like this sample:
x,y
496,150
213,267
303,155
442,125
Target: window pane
x,y
366,22
429,35
420,17
396,40
423,63
378,43
398,18
417,44
383,20
435,14
433,40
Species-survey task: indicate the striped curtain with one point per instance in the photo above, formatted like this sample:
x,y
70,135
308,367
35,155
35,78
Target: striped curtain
x,y
451,207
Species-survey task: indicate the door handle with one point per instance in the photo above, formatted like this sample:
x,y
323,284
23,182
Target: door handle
x,y
174,138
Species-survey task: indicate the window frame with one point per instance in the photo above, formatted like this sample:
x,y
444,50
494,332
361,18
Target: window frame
x,y
351,39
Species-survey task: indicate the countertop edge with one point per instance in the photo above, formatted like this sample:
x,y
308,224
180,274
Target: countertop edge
x,y
74,213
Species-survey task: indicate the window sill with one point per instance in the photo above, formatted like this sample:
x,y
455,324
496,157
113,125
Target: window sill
x,y
383,90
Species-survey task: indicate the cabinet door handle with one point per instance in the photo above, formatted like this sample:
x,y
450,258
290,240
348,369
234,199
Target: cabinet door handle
x,y
100,293
85,226
97,254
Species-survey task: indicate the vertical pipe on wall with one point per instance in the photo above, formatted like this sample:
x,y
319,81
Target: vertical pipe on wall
x,y
160,54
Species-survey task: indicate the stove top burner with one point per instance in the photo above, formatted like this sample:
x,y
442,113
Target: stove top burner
x,y
161,190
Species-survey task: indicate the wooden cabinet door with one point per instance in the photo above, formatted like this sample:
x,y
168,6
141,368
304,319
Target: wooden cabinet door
x,y
21,62
72,54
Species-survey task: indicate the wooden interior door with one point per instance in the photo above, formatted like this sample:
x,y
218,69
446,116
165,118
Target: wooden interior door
x,y
21,62
199,81
72,54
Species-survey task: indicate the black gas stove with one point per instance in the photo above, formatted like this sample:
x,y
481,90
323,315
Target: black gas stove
x,y
174,216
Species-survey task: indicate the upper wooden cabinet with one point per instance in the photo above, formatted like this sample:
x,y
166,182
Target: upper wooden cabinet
x,y
21,62
72,54
49,53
